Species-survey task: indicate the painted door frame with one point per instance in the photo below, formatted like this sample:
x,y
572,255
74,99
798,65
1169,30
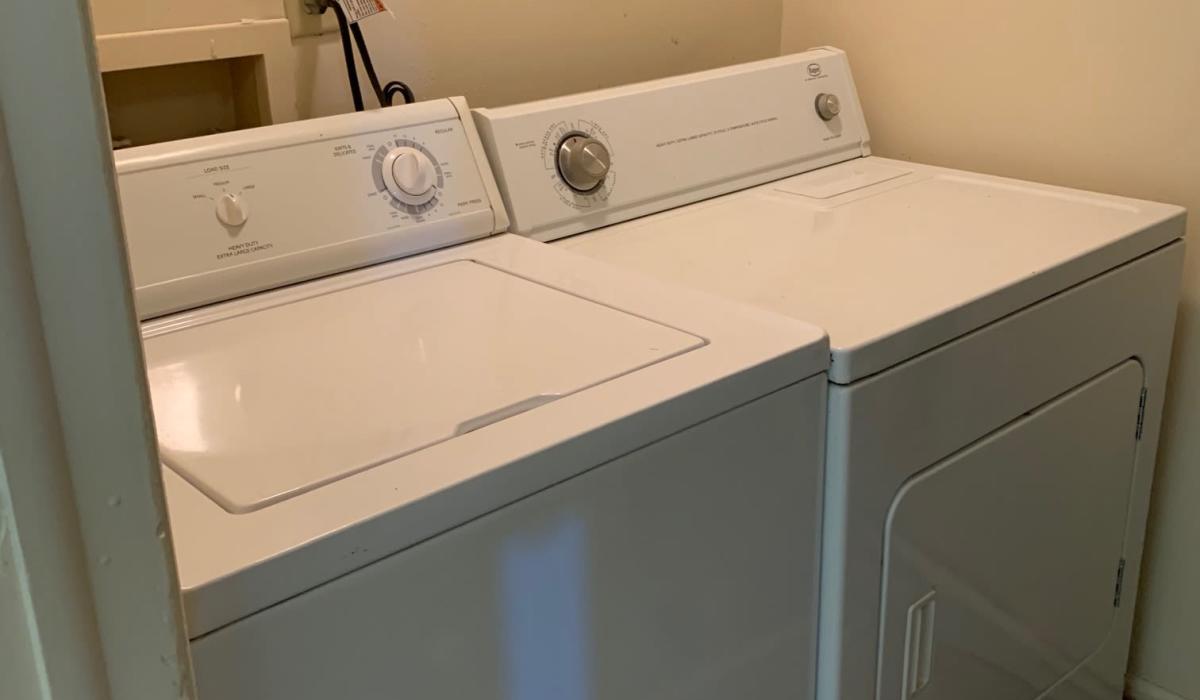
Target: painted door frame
x,y
89,597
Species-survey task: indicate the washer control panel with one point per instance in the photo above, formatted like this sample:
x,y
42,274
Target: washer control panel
x,y
226,215
570,164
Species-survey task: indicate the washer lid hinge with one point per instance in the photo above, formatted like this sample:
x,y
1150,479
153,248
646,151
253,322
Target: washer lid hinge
x,y
1141,414
1120,581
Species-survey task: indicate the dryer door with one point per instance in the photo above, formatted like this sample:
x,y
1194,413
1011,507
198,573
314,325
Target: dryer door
x,y
1000,562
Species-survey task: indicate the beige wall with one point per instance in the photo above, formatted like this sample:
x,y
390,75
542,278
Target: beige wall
x,y
502,52
1097,94
121,16
493,52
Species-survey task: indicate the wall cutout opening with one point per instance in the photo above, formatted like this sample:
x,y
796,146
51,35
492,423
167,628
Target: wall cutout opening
x,y
182,100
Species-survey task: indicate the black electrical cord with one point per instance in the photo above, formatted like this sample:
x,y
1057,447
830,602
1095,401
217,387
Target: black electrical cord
x,y
384,94
367,64
351,68
396,86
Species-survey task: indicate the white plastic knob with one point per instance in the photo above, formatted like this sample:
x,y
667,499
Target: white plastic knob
x,y
410,175
232,209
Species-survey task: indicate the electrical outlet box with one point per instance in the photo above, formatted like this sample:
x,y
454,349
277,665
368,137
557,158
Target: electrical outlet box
x,y
306,20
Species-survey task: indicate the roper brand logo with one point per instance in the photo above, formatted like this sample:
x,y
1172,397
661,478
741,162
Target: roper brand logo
x,y
814,69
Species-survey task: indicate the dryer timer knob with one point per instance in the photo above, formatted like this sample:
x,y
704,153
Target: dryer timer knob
x,y
583,162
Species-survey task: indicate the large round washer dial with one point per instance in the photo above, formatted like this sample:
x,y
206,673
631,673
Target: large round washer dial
x,y
580,162
409,175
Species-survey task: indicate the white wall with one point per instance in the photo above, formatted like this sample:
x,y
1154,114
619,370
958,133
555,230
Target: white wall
x,y
503,52
493,52
82,494
1097,94
18,663
46,620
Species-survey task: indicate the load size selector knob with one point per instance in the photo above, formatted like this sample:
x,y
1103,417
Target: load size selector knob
x,y
232,209
583,162
409,175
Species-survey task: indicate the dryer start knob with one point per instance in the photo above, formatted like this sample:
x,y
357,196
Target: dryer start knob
x,y
828,106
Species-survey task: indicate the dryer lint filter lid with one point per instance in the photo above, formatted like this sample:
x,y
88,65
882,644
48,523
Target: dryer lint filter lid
x,y
831,182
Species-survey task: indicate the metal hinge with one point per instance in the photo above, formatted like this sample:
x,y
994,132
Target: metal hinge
x,y
1141,414
1120,581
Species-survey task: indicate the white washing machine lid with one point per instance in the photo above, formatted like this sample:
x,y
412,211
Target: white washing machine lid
x,y
891,258
278,400
314,429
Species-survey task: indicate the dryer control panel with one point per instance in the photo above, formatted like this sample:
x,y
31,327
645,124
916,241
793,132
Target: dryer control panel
x,y
574,163
222,216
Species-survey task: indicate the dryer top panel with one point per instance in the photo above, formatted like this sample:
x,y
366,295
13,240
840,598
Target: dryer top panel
x,y
891,258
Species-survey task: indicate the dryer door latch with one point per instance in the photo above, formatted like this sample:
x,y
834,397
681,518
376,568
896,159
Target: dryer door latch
x,y
918,647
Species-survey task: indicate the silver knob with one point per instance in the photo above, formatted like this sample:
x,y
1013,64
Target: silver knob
x,y
583,162
828,106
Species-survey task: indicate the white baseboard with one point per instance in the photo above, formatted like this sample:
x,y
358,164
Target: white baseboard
x,y
1142,689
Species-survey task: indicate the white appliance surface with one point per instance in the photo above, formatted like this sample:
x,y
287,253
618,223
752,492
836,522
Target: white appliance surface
x,y
673,571
326,397
671,141
891,258
1054,478
981,334
218,217
222,389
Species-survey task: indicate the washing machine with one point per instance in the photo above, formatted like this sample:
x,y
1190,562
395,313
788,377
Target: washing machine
x,y
999,357
405,455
